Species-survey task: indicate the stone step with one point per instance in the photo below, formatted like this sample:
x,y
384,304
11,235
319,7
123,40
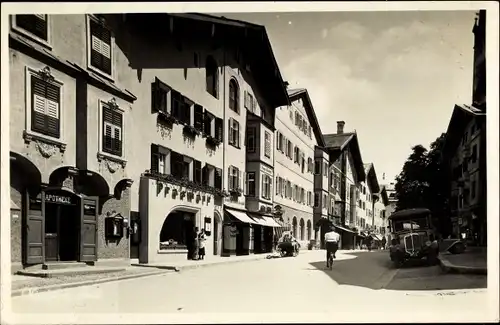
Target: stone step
x,y
63,265
70,271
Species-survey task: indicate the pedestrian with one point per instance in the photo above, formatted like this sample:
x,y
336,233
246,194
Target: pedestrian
x,y
384,241
195,242
201,240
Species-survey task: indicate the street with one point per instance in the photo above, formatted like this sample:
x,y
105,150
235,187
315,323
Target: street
x,y
288,285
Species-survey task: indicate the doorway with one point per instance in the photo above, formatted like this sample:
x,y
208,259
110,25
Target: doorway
x,y
216,235
62,225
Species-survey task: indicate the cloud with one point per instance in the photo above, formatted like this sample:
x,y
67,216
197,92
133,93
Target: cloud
x,y
396,86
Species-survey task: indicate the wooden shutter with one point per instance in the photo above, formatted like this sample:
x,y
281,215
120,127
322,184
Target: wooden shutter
x,y
230,179
100,55
197,171
88,234
175,104
205,175
154,158
219,129
245,183
35,24
229,129
34,230
218,178
159,96
240,178
198,117
238,139
52,110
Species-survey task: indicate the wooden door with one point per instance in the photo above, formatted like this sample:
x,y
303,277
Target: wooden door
x,y
88,229
34,230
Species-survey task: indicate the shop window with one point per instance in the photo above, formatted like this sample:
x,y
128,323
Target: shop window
x,y
114,226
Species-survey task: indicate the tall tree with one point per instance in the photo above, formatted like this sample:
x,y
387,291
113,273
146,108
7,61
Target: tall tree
x,y
411,183
424,183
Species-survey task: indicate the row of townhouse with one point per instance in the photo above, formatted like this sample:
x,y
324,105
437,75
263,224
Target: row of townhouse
x,y
464,151
163,123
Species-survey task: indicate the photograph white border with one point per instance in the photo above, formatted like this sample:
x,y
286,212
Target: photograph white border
x,y
492,53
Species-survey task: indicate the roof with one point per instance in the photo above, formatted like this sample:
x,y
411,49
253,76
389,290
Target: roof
x,y
347,140
255,37
460,118
311,116
383,193
372,178
403,214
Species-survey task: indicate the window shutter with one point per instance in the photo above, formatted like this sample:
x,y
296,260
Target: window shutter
x,y
277,185
198,117
154,158
240,179
35,24
218,178
175,99
230,178
204,175
197,172
270,180
245,186
230,130
219,129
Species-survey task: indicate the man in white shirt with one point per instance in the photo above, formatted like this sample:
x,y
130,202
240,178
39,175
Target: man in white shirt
x,y
332,243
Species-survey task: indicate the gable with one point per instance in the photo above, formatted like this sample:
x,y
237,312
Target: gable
x,y
302,102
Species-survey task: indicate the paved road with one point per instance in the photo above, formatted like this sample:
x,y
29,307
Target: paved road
x,y
352,291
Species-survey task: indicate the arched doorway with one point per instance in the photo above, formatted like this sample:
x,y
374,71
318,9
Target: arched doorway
x,y
178,231
309,229
294,227
302,229
62,224
217,233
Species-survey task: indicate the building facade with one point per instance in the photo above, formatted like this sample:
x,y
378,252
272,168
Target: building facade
x,y
465,151
369,196
70,164
344,154
297,136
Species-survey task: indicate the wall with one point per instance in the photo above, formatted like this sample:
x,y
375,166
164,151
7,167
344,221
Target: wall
x,y
158,201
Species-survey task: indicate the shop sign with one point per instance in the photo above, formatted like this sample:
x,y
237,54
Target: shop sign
x,y
51,198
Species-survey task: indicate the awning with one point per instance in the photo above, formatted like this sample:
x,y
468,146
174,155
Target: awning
x,y
242,216
378,237
345,229
265,221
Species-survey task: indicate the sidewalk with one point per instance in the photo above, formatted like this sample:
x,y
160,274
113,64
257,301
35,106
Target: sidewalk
x,y
472,261
23,285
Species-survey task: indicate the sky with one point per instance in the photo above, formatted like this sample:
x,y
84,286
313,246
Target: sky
x,y
394,77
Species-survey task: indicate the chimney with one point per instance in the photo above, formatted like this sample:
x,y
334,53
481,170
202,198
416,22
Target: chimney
x,y
340,127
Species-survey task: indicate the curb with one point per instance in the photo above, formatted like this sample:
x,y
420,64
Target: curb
x,y
32,290
448,267
196,266
262,256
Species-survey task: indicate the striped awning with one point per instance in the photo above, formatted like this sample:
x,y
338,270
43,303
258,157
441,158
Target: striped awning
x,y
241,216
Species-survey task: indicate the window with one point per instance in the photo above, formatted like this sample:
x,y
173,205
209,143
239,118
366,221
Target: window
x,y
218,178
280,142
302,163
176,105
295,154
112,129
251,184
219,129
198,117
234,133
267,144
234,95
325,169
186,107
161,95
317,168
180,167
211,75
233,178
160,159
251,131
208,123
45,107
249,102
302,196
290,149
100,53
278,185
309,198
266,186
208,175
310,165
474,154
324,201
37,25
316,200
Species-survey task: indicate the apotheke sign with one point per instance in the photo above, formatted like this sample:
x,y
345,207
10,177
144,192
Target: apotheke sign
x,y
50,198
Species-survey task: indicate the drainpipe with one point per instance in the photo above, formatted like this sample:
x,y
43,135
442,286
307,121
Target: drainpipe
x,y
224,123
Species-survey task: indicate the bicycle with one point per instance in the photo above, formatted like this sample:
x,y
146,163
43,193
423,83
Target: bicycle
x,y
330,260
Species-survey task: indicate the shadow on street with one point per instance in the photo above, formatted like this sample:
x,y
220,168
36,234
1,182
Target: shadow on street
x,y
374,270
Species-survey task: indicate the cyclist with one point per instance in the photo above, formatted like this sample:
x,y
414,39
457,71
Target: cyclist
x,y
332,239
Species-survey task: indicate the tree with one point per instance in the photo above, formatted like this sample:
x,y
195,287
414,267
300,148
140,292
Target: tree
x,y
424,183
411,183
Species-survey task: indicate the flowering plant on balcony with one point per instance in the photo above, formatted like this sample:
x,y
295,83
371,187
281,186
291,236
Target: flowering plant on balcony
x,y
167,118
235,191
190,130
213,141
